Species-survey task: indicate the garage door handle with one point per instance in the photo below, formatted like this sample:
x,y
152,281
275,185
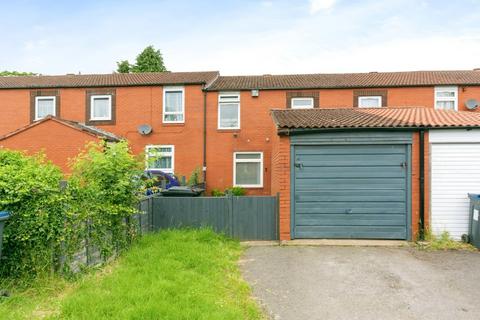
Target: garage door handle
x,y
348,211
299,165
403,164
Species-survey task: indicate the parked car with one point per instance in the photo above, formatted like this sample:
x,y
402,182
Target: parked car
x,y
160,180
168,185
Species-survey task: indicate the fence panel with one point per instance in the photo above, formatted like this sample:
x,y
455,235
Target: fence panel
x,y
145,217
255,218
244,218
178,212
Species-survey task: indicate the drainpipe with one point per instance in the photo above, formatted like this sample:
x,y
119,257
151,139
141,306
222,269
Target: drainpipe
x,y
421,222
204,169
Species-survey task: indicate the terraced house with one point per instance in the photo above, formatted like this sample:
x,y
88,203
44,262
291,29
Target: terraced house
x,y
365,155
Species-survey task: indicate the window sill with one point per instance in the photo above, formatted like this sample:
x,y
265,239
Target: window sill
x,y
228,130
173,124
249,186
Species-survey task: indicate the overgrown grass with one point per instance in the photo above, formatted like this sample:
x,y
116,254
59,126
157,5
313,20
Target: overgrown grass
x,y
443,242
33,299
187,274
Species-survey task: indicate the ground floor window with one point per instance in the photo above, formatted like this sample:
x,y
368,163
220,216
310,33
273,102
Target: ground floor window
x,y
160,157
248,169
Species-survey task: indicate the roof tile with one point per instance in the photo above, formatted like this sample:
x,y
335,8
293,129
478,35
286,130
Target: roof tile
x,y
108,80
92,130
354,118
347,80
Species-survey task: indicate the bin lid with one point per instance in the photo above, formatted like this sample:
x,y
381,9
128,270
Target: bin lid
x,y
474,196
4,215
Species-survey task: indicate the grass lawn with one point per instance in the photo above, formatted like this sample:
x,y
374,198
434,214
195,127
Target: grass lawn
x,y
170,275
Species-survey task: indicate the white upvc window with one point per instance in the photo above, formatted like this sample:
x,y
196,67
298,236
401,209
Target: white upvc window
x,y
301,103
248,169
370,102
173,105
229,110
101,107
45,106
160,157
446,98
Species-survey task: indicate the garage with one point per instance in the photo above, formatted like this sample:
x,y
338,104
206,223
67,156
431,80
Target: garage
x,y
364,173
356,189
455,172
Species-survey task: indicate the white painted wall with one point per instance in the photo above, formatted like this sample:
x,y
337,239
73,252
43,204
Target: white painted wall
x,y
455,172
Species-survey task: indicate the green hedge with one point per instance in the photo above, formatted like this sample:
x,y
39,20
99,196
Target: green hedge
x,y
49,224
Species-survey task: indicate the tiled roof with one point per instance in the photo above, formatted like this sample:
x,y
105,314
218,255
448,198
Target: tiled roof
x,y
94,131
355,118
108,80
348,80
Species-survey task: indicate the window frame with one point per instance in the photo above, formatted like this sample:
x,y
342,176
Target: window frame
x,y
164,112
260,185
171,153
436,99
228,93
92,105
54,98
302,98
378,98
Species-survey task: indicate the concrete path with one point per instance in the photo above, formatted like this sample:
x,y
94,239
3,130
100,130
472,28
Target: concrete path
x,y
364,282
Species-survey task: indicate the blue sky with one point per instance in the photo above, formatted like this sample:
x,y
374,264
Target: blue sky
x,y
241,37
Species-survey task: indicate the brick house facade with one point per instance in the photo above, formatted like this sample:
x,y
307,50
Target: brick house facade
x,y
222,124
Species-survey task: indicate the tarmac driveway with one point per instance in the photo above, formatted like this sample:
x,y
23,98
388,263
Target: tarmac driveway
x,y
364,282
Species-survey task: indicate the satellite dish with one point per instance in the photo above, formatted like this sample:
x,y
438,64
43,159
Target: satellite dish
x,y
144,129
471,104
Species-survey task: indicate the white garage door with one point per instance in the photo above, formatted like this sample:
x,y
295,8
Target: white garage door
x,y
455,172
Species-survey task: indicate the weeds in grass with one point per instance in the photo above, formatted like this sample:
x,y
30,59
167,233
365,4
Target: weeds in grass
x,y
175,274
443,242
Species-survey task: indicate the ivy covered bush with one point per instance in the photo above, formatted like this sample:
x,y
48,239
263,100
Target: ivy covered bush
x,y
49,223
29,188
104,188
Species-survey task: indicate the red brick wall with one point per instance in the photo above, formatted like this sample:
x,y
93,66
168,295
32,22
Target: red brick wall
x,y
134,106
14,110
256,134
59,142
143,105
465,93
416,183
281,181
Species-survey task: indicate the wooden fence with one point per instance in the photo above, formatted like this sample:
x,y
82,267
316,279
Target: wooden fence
x,y
243,218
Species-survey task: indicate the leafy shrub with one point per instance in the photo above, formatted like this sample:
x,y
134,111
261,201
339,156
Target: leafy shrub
x,y
218,193
49,225
236,191
105,186
196,177
29,189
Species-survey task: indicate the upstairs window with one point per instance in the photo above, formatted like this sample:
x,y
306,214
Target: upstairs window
x,y
229,110
302,103
446,98
248,169
370,102
101,107
44,106
173,105
160,157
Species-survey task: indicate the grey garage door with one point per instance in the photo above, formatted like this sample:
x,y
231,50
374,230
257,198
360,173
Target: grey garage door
x,y
350,191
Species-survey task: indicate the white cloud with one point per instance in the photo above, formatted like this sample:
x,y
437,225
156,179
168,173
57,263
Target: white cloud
x,y
321,5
